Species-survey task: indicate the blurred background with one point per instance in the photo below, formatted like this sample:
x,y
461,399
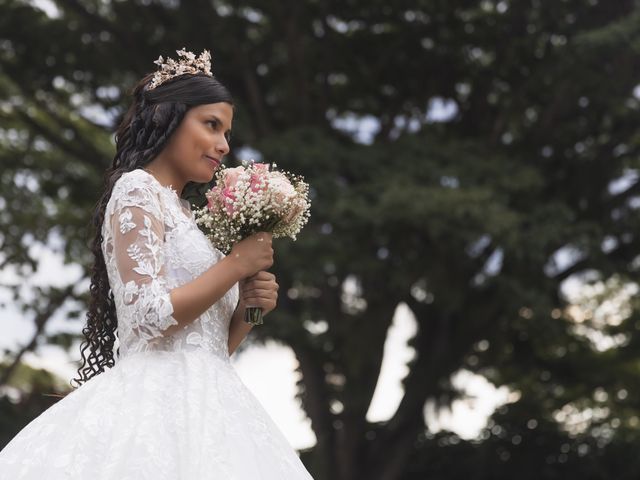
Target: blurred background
x,y
464,301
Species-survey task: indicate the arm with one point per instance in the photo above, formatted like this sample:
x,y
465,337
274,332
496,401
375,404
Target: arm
x,y
193,298
157,311
238,329
261,289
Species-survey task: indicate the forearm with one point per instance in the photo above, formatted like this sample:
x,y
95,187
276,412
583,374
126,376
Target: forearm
x,y
238,328
193,298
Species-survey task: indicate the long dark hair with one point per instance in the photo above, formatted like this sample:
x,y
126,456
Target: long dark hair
x,y
141,135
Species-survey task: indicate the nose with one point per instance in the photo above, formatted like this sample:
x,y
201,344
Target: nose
x,y
222,146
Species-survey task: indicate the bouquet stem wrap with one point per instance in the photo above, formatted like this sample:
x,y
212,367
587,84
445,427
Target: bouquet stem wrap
x,y
253,316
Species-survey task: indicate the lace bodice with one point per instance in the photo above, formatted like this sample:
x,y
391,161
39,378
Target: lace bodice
x,y
151,244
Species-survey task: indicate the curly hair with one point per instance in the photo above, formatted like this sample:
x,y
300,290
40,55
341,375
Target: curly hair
x,y
143,132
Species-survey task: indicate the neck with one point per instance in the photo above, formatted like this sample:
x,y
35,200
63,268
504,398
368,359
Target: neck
x,y
165,175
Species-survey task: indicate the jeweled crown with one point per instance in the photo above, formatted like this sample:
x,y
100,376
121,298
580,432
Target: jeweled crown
x,y
187,63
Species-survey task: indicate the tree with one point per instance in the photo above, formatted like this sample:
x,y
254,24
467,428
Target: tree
x,y
474,220
24,397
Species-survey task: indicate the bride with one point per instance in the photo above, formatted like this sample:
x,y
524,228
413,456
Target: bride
x,y
166,403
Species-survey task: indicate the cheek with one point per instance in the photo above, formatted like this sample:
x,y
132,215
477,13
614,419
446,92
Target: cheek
x,y
190,138
179,142
202,139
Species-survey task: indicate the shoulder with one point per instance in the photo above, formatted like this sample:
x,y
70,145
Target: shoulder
x,y
137,188
137,178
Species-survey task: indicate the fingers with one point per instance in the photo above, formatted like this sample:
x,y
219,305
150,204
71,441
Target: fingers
x,y
265,299
269,292
261,290
268,285
258,285
264,237
263,276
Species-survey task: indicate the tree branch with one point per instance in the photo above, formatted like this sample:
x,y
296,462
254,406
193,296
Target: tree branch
x,y
57,299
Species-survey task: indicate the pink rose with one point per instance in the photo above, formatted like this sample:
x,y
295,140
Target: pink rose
x,y
259,176
261,168
297,207
228,199
228,191
231,176
281,188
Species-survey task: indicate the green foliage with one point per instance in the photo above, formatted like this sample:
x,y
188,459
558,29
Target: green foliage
x,y
29,392
474,220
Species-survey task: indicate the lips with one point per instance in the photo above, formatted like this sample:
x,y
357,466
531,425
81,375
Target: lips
x,y
214,161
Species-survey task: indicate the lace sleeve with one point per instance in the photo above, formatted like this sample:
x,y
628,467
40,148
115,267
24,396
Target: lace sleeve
x,y
138,235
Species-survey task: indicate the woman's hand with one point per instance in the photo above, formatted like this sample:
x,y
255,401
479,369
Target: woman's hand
x,y
253,254
259,290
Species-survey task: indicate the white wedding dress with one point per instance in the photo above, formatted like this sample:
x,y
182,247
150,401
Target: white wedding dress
x,y
173,406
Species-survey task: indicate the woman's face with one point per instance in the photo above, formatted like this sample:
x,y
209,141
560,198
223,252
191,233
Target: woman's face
x,y
198,145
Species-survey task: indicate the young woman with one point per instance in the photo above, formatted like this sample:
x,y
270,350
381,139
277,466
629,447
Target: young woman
x,y
168,404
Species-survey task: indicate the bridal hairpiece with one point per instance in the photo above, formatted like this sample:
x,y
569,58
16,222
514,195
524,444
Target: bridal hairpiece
x,y
188,63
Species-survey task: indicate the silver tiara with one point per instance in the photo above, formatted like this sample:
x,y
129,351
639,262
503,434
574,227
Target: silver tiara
x,y
188,63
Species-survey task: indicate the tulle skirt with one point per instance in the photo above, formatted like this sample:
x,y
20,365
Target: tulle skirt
x,y
155,416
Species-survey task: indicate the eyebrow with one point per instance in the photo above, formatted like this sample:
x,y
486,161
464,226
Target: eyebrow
x,y
218,119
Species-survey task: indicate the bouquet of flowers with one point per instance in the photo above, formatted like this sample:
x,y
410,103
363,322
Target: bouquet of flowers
x,y
249,199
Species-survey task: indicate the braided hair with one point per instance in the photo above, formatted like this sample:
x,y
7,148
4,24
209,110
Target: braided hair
x,y
143,132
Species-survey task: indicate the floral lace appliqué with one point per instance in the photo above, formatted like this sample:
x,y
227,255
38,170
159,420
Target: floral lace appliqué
x,y
151,246
125,221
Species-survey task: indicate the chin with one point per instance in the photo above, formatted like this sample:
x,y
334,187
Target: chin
x,y
203,176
